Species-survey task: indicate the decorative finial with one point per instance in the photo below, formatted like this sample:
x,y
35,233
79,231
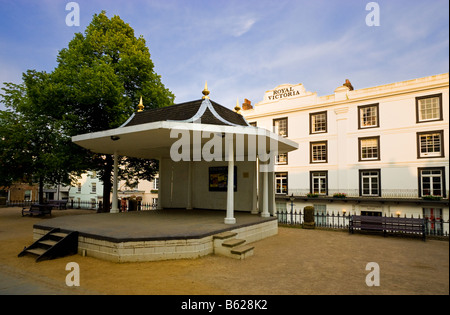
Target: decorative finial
x,y
205,91
237,108
140,106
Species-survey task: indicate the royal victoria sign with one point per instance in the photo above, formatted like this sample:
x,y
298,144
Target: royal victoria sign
x,y
285,91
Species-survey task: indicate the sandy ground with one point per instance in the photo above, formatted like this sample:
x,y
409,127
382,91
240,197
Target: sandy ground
x,y
294,262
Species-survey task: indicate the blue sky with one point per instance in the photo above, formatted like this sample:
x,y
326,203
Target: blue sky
x,y
245,47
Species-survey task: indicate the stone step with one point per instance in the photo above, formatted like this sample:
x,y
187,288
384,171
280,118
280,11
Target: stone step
x,y
224,235
233,242
239,250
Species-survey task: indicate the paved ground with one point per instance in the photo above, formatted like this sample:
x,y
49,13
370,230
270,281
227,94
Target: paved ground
x,y
294,262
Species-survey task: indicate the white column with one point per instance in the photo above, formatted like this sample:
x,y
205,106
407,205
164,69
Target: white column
x,y
230,219
265,209
159,205
114,206
255,189
189,187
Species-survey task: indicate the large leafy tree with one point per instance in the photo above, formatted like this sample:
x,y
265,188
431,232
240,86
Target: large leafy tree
x,y
96,86
34,146
100,78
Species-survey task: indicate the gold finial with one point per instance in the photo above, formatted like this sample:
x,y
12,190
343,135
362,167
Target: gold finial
x,y
140,106
237,108
205,91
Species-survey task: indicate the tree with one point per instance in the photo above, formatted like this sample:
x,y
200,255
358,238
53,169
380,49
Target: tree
x,y
97,85
33,146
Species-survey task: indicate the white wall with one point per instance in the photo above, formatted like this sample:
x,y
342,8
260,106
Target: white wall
x,y
175,186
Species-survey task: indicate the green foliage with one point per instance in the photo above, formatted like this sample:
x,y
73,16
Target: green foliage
x,y
96,86
102,75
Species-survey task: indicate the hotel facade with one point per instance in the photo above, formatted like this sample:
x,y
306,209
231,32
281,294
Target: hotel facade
x,y
383,150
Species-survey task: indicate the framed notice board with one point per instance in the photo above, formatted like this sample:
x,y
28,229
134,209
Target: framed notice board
x,y
218,178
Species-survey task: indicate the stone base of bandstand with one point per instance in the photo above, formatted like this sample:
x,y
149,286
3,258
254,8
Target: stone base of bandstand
x,y
177,242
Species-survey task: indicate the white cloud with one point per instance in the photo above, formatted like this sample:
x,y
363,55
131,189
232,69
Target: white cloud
x,y
241,25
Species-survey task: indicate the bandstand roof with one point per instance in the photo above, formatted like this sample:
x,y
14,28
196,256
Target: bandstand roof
x,y
147,134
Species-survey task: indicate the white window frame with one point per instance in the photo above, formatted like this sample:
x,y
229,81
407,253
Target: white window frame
x,y
429,108
318,120
280,178
320,178
430,144
316,154
283,131
280,160
368,116
367,183
369,149
432,174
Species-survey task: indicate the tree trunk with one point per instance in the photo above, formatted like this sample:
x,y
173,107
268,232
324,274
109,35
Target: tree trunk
x,y
107,184
41,191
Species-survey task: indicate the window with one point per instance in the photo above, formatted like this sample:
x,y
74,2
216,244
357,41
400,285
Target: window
x,y
282,159
318,152
432,181
78,187
27,195
369,183
318,122
94,174
94,188
156,183
253,124
281,183
368,116
369,149
280,127
319,180
430,144
429,108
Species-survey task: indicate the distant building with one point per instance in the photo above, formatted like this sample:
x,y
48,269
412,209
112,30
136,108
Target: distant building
x,y
384,147
88,191
19,192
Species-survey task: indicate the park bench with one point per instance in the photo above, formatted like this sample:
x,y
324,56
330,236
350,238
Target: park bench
x,y
388,225
59,204
38,209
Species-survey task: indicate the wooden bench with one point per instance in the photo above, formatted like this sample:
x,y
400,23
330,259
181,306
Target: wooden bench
x,y
38,209
59,204
388,225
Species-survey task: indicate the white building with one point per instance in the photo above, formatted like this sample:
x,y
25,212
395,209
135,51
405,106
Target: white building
x,y
88,191
384,147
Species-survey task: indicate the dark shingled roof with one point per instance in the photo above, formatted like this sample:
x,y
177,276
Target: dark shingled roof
x,y
185,111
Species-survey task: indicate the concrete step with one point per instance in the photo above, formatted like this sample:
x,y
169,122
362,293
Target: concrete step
x,y
224,235
233,242
242,249
242,252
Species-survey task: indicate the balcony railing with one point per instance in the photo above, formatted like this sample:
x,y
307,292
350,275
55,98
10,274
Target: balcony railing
x,y
385,193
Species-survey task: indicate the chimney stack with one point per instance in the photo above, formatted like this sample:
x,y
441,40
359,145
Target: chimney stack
x,y
247,105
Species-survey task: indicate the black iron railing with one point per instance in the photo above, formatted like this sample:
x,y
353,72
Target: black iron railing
x,y
433,225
